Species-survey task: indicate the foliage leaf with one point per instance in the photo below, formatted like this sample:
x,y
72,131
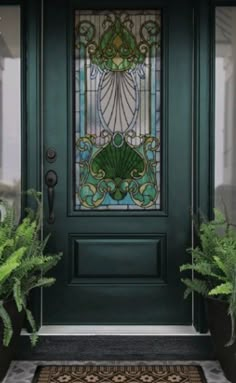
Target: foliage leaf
x,y
195,285
224,289
7,325
23,261
213,263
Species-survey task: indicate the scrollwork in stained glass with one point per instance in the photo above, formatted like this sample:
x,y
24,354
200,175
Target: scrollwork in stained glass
x,y
117,156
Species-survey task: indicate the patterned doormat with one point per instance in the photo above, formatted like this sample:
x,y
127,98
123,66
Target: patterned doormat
x,y
120,374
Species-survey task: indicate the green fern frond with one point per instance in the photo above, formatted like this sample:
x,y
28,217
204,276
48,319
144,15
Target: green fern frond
x,y
202,268
23,262
187,292
17,293
50,261
8,243
186,266
26,231
215,261
12,263
33,336
29,264
42,282
7,325
32,323
219,219
221,265
196,285
222,289
44,242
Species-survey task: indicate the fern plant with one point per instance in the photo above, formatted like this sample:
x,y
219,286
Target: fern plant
x,y
23,263
214,263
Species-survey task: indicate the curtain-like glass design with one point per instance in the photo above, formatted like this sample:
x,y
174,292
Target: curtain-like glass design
x,y
117,109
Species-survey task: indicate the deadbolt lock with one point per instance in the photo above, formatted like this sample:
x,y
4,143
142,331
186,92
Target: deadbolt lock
x,y
51,155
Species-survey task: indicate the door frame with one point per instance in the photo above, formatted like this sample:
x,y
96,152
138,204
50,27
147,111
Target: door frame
x,y
202,126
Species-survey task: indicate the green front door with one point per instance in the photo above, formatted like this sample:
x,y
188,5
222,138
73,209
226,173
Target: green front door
x,y
117,117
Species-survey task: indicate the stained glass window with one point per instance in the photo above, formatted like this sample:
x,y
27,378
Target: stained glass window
x,y
117,109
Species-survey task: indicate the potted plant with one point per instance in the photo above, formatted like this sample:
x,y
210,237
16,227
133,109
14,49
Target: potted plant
x,y
23,265
214,277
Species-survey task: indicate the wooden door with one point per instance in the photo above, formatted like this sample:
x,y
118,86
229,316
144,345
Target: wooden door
x,y
117,134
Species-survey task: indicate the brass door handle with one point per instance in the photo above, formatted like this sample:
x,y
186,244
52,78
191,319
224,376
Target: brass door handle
x,y
51,181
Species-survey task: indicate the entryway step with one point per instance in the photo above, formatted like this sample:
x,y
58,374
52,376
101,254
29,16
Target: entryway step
x,y
181,347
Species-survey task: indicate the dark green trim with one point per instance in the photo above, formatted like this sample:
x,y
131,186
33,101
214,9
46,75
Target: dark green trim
x,y
164,121
11,2
107,4
202,109
196,171
32,100
23,109
212,113
33,94
202,156
223,3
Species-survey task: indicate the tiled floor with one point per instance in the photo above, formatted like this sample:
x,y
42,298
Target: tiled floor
x,y
23,372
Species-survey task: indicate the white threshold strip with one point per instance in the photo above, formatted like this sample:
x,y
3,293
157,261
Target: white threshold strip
x,y
126,330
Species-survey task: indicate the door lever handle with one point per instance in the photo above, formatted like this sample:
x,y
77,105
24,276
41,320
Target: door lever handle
x,y
51,181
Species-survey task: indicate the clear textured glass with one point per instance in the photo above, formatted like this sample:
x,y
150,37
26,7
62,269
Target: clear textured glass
x,y
225,112
10,105
117,109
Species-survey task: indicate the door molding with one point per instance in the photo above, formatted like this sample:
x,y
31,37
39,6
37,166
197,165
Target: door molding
x,y
202,119
203,128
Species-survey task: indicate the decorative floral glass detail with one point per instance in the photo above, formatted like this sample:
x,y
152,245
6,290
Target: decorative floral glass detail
x,y
117,109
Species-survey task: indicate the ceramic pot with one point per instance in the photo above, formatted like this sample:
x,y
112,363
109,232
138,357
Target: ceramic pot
x,y
219,323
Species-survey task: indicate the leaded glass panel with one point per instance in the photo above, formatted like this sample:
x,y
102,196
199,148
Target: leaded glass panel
x,y
117,109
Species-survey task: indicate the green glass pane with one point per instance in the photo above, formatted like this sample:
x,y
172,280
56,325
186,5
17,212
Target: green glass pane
x,y
117,109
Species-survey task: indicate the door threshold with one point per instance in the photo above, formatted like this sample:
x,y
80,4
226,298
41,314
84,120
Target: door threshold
x,y
112,330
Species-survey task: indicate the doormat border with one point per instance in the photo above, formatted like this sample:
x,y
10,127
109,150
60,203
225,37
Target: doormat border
x,y
39,367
